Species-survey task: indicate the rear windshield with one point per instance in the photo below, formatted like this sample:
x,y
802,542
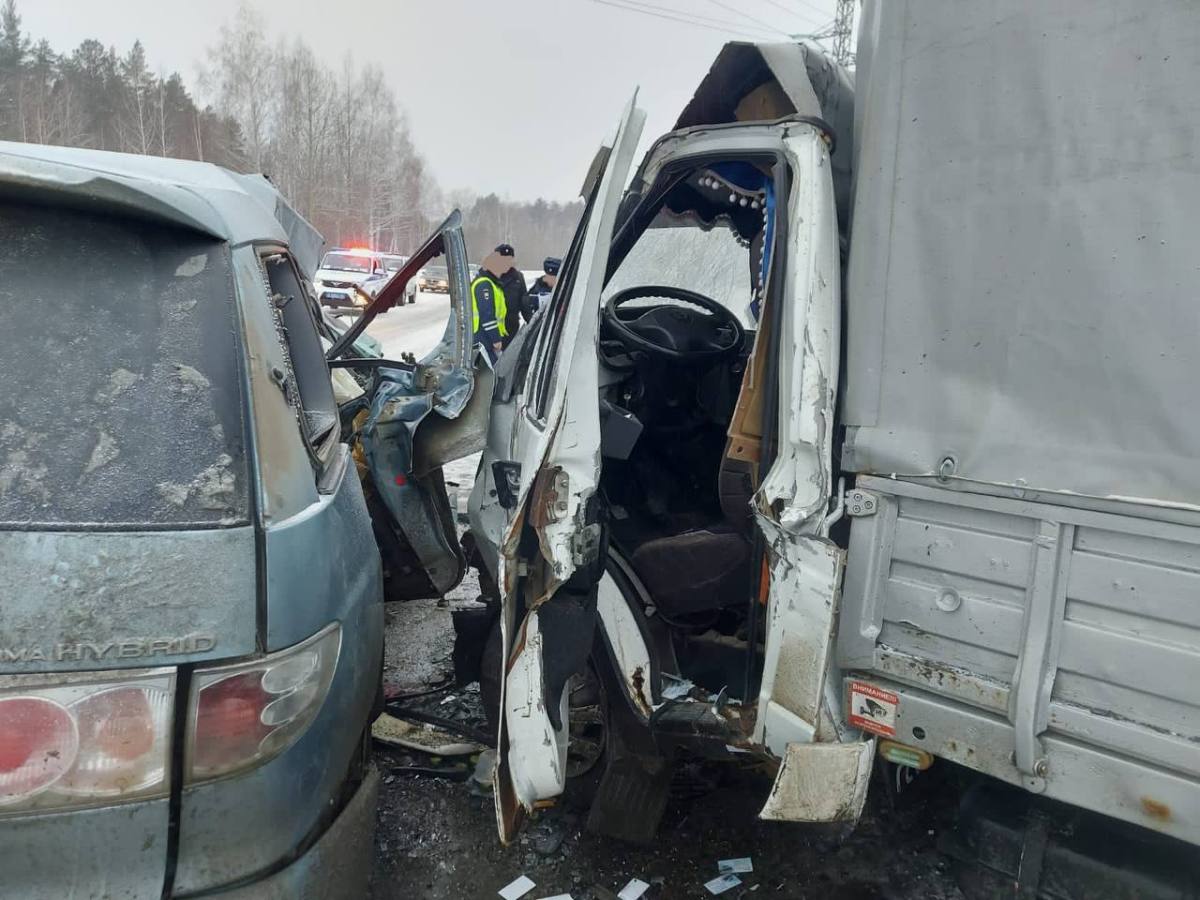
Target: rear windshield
x,y
121,401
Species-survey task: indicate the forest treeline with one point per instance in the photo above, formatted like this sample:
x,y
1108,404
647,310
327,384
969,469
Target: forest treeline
x,y
336,141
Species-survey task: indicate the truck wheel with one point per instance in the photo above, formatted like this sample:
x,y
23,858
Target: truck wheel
x,y
587,706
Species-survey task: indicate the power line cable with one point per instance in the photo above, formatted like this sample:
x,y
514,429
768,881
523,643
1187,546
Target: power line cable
x,y
737,12
790,10
820,12
700,17
671,15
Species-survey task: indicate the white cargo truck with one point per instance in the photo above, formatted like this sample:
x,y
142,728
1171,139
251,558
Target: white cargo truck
x,y
862,425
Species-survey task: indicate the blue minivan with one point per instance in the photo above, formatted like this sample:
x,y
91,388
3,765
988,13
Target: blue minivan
x,y
191,584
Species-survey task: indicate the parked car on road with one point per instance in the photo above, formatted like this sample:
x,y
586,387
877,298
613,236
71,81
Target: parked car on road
x,y
393,263
192,627
435,280
349,278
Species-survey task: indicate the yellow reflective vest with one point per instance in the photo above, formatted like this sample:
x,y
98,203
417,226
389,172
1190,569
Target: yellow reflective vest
x,y
499,307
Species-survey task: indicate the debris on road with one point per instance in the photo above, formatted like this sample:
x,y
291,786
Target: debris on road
x,y
633,890
518,888
546,835
436,839
485,765
675,688
722,884
739,866
424,738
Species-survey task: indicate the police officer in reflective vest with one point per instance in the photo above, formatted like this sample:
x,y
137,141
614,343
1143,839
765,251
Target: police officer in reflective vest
x,y
489,307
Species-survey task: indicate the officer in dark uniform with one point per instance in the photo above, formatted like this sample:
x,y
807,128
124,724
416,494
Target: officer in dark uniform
x,y
513,283
489,305
543,287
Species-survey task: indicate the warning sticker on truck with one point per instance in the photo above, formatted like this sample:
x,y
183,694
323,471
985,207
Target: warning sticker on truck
x,y
873,709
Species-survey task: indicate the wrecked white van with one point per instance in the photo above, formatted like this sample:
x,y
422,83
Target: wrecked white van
x,y
760,482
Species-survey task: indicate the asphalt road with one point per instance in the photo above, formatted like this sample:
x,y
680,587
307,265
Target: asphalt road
x,y
415,328
436,836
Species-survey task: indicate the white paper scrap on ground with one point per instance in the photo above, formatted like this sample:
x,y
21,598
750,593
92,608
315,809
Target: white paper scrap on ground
x,y
741,865
518,888
633,890
674,688
722,884
559,897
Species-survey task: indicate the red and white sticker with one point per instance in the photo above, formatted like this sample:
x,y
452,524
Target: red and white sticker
x,y
873,709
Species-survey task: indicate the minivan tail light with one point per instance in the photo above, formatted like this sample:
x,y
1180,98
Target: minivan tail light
x,y
71,740
243,715
38,743
124,741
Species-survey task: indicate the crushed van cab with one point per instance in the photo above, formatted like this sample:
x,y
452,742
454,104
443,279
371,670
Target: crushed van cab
x,y
757,484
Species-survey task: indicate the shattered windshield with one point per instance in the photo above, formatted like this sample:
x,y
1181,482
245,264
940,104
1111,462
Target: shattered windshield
x,y
346,262
122,401
710,259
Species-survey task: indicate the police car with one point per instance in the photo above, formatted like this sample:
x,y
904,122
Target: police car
x,y
349,278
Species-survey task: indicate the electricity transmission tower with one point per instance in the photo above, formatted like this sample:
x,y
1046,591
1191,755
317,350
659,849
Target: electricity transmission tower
x,y
839,33
843,25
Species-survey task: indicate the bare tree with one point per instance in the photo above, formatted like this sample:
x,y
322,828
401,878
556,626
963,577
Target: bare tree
x,y
135,118
14,49
337,143
240,73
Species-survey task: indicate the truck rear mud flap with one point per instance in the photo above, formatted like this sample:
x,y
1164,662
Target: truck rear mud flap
x,y
821,783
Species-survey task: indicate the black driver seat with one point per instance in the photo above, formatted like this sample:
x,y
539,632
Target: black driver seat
x,y
706,568
699,570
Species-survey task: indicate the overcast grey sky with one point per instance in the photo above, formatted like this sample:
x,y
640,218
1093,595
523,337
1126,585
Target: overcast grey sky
x,y
511,96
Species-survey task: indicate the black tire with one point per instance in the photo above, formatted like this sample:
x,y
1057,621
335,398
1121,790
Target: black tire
x,y
491,664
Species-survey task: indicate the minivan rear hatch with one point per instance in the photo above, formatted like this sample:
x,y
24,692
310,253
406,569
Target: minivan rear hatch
x,y
125,500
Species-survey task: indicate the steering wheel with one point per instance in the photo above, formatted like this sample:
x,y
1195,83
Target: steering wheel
x,y
678,331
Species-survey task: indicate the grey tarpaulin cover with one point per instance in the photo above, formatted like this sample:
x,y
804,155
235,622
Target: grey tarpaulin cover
x,y
1024,275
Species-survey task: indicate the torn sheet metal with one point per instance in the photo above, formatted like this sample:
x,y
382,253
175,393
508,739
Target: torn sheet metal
x,y
793,501
627,645
821,783
806,577
750,81
559,460
801,478
417,736
532,739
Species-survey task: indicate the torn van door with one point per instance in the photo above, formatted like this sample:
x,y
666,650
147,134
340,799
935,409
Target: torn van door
x,y
410,417
824,773
536,500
